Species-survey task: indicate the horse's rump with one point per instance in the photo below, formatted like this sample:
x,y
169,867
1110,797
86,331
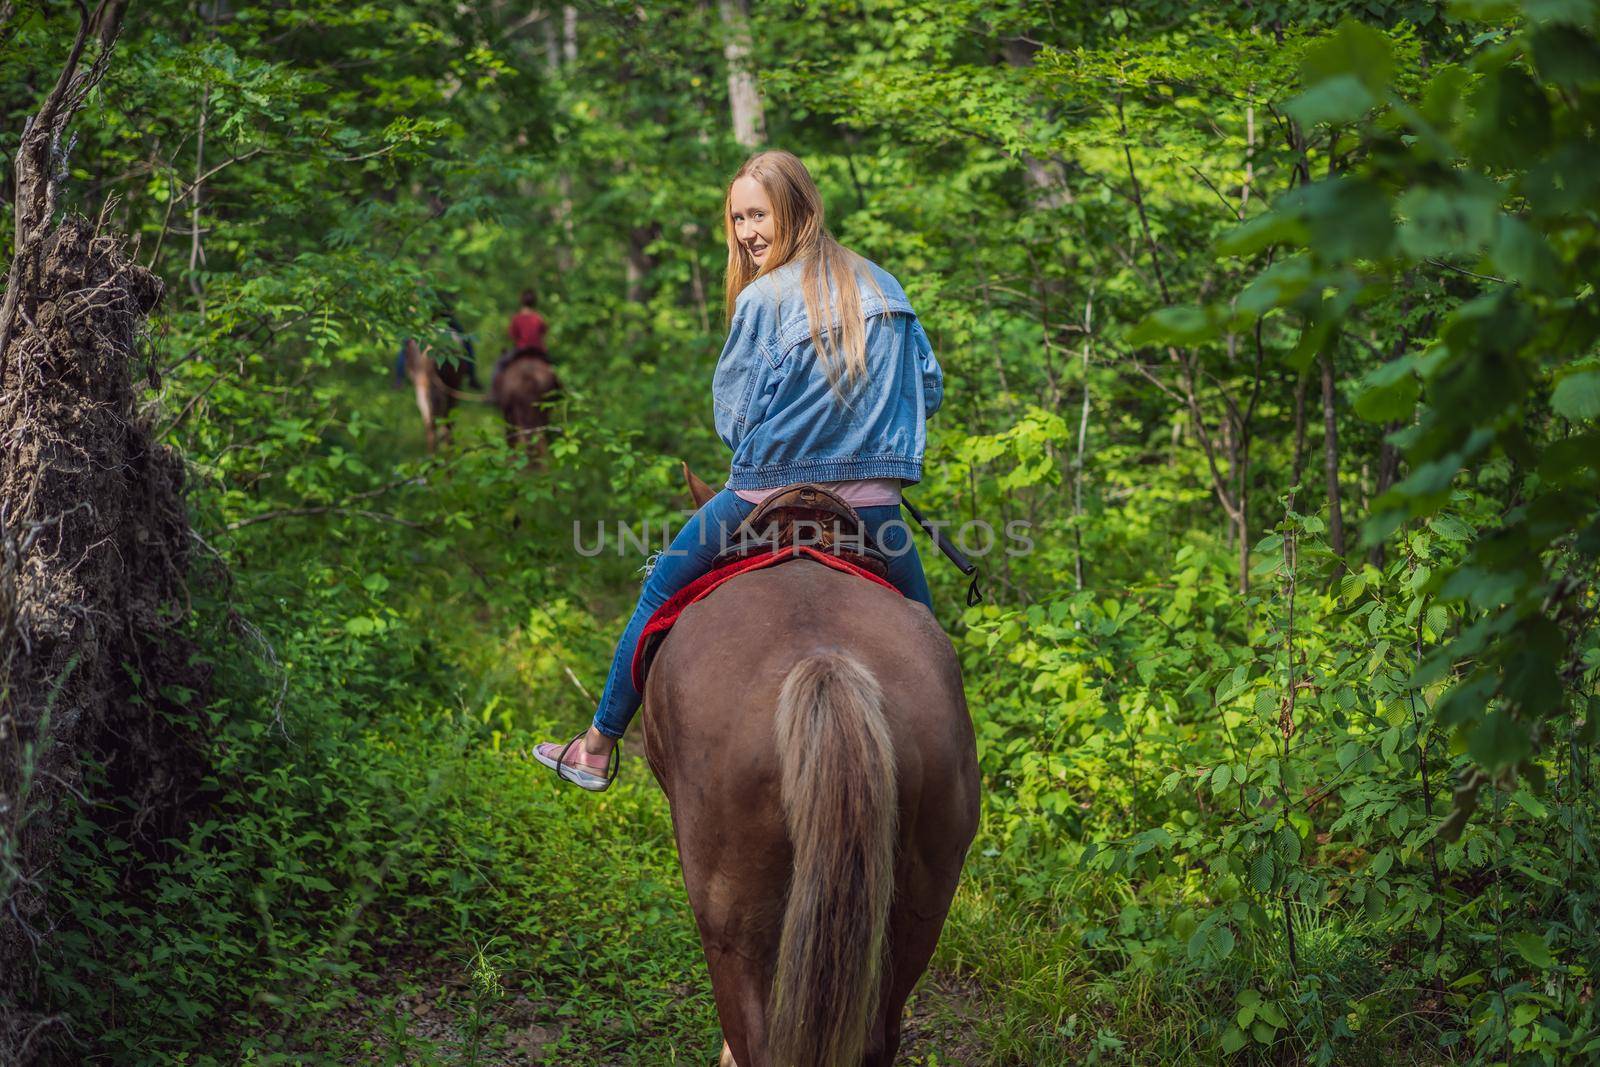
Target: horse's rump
x,y
435,384
798,719
522,386
526,378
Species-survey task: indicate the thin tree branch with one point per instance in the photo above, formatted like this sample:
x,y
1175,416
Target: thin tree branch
x,y
342,508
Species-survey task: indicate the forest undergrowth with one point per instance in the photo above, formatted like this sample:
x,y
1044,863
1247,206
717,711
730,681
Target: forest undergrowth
x,y
387,877
1273,326
407,886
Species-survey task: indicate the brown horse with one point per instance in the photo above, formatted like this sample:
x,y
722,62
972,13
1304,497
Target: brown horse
x,y
520,387
811,733
437,386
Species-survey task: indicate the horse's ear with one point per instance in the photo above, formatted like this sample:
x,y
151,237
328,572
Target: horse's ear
x,y
700,491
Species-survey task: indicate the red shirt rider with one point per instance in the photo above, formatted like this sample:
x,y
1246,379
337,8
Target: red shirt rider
x,y
527,325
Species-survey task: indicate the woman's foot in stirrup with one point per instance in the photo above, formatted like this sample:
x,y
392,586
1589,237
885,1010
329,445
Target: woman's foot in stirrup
x,y
585,761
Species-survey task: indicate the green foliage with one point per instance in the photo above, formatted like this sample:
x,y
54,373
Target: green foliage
x,y
1435,185
1254,787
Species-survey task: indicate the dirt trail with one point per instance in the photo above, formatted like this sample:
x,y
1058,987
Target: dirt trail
x,y
426,1016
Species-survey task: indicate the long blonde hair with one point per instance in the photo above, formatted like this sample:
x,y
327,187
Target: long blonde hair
x,y
829,272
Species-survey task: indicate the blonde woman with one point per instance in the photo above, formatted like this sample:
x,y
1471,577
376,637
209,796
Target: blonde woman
x,y
826,377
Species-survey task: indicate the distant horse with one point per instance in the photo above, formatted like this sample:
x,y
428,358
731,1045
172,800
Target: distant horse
x,y
437,387
523,381
811,733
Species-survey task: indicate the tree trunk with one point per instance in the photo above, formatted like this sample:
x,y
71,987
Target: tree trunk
x,y
1330,459
1299,429
639,263
1242,495
1388,470
1388,454
744,97
1077,461
561,48
93,545
1049,179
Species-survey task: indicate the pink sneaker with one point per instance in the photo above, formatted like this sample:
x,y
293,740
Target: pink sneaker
x,y
573,764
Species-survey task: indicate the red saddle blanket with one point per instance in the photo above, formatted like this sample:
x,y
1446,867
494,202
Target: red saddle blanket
x,y
702,587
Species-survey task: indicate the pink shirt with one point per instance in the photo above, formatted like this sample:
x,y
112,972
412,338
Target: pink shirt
x,y
863,493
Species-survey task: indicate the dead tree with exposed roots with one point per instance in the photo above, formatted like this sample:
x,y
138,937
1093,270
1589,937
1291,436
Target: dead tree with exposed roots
x,y
93,556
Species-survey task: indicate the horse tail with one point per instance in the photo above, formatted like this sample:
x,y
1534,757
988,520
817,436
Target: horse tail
x,y
836,763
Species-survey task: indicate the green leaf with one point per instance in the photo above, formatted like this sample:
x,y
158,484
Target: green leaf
x,y
1455,220
1532,948
1233,1039
1264,231
1272,1015
1176,326
1511,119
1499,740
1350,219
1485,10
1577,396
1221,778
1389,392
1464,699
1288,843
1569,460
1529,803
1311,341
1379,657
1196,945
1566,58
1579,13
1261,869
1521,254
1277,286
1354,49
1341,98
1437,620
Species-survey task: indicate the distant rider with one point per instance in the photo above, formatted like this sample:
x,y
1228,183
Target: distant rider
x,y
527,331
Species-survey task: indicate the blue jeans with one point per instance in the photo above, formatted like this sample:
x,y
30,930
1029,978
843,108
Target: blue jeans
x,y
701,540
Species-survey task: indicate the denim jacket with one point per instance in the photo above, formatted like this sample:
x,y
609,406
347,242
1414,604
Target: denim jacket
x,y
785,424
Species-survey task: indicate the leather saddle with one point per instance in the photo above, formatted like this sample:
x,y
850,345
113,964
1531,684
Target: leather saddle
x,y
530,352
810,515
